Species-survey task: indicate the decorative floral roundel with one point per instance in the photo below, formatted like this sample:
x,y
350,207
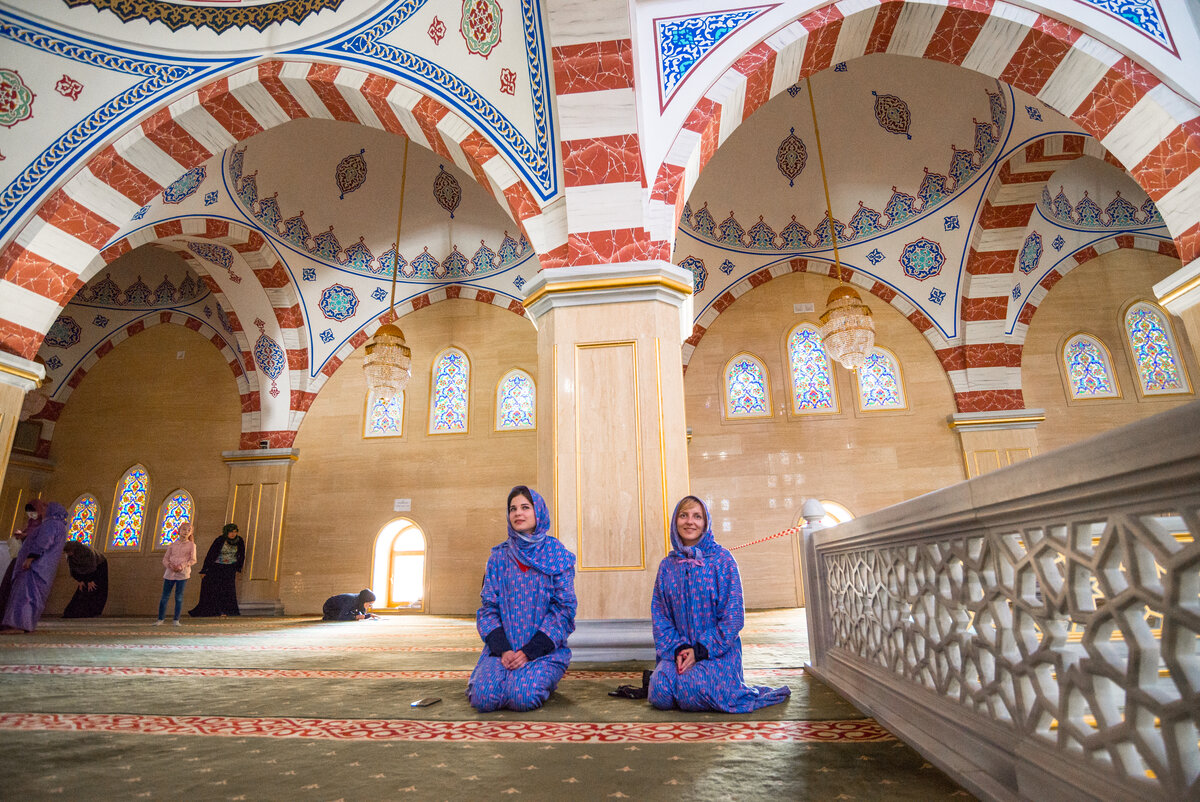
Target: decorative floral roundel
x,y
351,173
481,25
446,190
16,101
338,302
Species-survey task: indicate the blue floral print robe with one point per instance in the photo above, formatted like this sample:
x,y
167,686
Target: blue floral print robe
x,y
697,602
528,604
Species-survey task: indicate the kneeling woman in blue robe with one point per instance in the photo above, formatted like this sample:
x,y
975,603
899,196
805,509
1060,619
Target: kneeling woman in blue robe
x,y
528,599
697,611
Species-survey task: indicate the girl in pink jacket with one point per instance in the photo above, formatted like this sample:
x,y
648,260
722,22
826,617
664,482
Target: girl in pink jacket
x,y
178,559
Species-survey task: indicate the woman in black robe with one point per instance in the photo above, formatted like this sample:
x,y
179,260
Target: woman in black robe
x,y
222,564
89,568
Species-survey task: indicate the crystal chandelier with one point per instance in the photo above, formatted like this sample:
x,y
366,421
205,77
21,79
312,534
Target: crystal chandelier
x,y
389,359
847,329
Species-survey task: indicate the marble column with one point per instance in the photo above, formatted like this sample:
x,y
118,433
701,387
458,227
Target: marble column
x,y
17,377
1179,294
258,486
612,450
992,440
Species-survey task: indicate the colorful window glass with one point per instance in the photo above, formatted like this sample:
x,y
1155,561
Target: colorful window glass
x,y
1089,368
516,401
451,383
129,509
385,416
83,519
812,372
880,385
747,391
1154,353
177,509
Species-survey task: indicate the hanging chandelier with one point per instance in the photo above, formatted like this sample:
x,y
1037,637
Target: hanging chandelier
x,y
388,360
847,328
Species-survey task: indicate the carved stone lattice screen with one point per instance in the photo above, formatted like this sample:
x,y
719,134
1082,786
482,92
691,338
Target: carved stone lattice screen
x,y
1068,625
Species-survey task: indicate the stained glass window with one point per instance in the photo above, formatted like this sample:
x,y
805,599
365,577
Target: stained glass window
x,y
129,509
747,390
451,383
880,385
1089,368
1154,353
83,519
177,509
812,373
385,416
516,401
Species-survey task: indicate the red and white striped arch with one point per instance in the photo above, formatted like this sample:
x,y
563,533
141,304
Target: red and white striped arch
x,y
57,251
1143,123
50,413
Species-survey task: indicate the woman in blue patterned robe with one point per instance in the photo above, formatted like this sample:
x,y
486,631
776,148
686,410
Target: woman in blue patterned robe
x,y
528,598
698,612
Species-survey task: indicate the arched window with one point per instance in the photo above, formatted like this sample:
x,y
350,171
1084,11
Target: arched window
x,y
83,519
177,508
1155,352
129,509
813,390
747,388
880,382
1088,368
835,513
450,387
398,577
384,416
516,401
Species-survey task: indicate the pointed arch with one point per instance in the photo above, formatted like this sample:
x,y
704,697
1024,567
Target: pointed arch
x,y
128,518
400,566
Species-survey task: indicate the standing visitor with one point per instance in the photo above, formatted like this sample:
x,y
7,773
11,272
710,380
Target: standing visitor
x,y
697,611
89,569
34,568
528,598
177,560
222,564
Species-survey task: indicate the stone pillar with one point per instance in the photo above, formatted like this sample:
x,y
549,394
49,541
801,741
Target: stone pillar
x,y
612,445
258,486
992,440
17,377
1179,294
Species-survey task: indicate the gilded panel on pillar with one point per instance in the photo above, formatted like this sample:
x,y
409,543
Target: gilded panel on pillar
x,y
608,458
264,549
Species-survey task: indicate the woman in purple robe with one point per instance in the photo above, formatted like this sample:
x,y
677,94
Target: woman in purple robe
x,y
528,598
697,611
34,568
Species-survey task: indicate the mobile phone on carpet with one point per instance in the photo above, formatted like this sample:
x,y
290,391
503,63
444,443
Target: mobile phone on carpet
x,y
426,701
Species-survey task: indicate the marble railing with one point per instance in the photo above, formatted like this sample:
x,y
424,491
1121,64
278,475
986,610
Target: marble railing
x,y
1035,631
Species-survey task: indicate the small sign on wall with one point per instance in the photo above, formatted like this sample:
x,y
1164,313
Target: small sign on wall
x,y
802,308
402,505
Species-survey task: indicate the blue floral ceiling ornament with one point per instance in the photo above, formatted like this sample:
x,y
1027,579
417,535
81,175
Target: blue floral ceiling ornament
x,y
64,333
271,360
893,114
683,42
1144,15
338,302
922,259
1031,253
791,157
699,273
351,173
185,186
446,190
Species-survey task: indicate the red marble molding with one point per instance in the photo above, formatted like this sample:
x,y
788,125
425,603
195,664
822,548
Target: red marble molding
x,y
886,17
593,66
297,358
602,160
883,292
521,201
759,278
420,302
1050,279
193,324
758,66
41,276
290,318
798,265
115,171
1167,249
1026,314
275,439
52,411
1038,55
1112,97
1073,144
990,262
113,252
321,78
1008,176
485,296
268,76
1084,254
1114,161
453,291
101,351
331,365
1189,245
1170,161
478,150
989,400
376,90
556,257
824,26
723,302
274,276
992,355
952,358
428,113
171,228
667,185
957,31
516,307
696,336
136,327
357,339
227,110
606,247
251,402
174,140
79,373
247,361
1015,216
302,400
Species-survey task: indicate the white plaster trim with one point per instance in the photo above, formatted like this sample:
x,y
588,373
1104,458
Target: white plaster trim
x,y
24,365
616,271
590,115
27,308
999,39
202,126
1148,123
602,207
915,28
858,20
95,195
55,245
140,151
1077,74
247,88
1001,239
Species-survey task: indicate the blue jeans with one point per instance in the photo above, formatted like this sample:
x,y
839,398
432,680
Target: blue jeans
x,y
168,584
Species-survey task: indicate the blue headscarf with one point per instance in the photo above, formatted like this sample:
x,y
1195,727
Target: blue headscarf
x,y
535,548
691,553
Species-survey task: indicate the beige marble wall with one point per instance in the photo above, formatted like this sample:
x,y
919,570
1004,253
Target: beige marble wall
x,y
343,486
1091,298
756,474
145,403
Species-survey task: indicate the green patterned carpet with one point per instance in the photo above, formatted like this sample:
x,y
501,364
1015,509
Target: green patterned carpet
x,y
298,709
